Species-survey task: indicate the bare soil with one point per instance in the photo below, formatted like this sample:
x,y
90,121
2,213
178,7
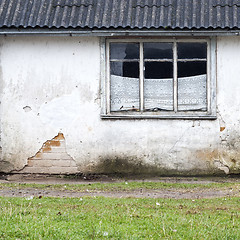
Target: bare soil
x,y
174,193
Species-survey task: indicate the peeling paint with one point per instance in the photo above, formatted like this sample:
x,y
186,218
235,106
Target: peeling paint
x,y
222,166
222,129
27,109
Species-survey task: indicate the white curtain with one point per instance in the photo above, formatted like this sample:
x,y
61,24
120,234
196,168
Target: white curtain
x,y
158,94
192,93
124,93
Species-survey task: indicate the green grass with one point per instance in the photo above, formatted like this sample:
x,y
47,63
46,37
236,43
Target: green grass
x,y
129,218
122,186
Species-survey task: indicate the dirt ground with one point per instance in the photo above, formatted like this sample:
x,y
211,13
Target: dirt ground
x,y
194,193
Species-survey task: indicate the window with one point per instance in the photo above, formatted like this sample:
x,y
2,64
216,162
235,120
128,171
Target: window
x,y
160,79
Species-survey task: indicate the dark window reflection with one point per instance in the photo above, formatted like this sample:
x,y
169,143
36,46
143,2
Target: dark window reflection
x,y
158,51
188,69
125,69
158,70
192,50
124,51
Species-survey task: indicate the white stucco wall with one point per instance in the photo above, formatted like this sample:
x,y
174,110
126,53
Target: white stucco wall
x,y
51,85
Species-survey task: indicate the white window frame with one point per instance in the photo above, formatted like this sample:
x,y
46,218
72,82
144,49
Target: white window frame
x,y
211,81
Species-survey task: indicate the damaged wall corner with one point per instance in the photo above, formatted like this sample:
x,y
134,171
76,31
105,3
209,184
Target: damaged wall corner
x,y
221,165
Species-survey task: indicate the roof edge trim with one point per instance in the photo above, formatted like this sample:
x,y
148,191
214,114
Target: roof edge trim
x,y
119,33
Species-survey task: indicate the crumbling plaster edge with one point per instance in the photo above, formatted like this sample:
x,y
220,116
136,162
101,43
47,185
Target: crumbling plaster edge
x,y
220,162
25,164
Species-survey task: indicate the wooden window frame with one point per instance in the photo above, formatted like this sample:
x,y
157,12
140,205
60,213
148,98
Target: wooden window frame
x,y
105,81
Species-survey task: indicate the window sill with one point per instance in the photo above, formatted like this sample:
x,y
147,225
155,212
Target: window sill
x,y
162,116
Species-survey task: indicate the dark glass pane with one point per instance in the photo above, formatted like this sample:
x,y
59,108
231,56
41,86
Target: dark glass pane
x,y
158,70
125,69
188,69
192,50
158,50
124,51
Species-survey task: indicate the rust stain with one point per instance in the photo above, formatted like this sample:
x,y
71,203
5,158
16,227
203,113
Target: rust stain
x,y
222,129
207,155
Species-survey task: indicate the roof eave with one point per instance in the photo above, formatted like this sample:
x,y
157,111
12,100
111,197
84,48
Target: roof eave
x,y
119,32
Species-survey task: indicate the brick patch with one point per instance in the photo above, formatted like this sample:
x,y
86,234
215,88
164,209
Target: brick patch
x,y
52,158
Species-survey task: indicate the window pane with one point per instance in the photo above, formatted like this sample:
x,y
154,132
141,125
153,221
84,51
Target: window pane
x,y
124,51
188,69
158,86
158,51
125,69
124,93
158,70
192,93
192,50
192,86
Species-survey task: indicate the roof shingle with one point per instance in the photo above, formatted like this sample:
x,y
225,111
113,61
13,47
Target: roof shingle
x,y
137,14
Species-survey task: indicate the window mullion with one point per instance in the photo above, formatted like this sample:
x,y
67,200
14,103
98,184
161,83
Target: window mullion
x,y
175,81
108,103
141,77
209,57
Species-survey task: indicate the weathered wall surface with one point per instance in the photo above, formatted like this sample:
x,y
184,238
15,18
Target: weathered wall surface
x,y
47,86
229,102
50,89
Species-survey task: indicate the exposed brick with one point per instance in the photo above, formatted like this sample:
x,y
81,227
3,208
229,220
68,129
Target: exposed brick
x,y
52,143
52,158
35,170
50,163
55,156
58,149
63,170
37,156
50,170
60,136
73,164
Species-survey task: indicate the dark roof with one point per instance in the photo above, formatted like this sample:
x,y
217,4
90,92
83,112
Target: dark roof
x,y
137,14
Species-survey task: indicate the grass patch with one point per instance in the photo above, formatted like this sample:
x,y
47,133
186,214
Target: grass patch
x,y
121,186
106,218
